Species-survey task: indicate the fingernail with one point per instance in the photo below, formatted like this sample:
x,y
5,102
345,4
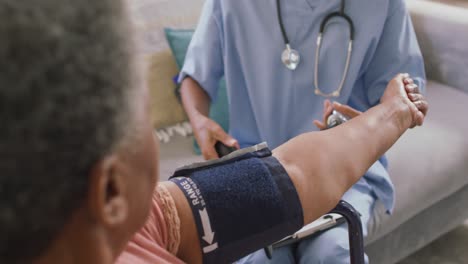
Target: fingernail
x,y
336,103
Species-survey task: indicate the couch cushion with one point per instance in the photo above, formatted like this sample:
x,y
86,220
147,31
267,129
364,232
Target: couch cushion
x,y
423,228
441,29
165,107
428,163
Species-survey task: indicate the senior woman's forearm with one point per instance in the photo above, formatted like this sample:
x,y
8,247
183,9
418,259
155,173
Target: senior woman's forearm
x,y
324,165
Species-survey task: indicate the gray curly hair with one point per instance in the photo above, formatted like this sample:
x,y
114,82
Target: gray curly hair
x,y
66,73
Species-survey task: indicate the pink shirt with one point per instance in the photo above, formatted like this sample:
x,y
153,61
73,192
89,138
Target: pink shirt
x,y
158,240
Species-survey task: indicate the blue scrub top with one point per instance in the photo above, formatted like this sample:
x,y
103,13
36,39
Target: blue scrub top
x,y
242,40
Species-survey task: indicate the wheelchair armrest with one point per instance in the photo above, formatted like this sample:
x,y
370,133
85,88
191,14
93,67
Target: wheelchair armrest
x,y
356,237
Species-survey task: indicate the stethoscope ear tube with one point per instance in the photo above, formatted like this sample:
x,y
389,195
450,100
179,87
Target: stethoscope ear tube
x,y
342,15
323,26
280,21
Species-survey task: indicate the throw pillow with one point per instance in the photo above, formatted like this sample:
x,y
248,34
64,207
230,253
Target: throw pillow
x,y
179,40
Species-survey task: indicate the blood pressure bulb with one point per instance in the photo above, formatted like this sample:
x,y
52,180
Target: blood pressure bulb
x,y
336,118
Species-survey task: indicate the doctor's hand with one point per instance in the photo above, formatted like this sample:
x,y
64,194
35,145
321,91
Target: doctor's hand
x,y
403,88
327,111
207,132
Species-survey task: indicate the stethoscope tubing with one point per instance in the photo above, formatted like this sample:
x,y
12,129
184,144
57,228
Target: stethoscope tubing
x,y
323,25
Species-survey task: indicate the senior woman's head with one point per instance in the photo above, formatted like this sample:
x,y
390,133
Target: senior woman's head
x,y
78,160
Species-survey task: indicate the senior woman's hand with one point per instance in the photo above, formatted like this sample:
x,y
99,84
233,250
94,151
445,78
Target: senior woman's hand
x,y
410,93
418,99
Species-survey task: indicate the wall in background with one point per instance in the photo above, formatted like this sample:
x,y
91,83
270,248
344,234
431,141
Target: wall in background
x,y
148,15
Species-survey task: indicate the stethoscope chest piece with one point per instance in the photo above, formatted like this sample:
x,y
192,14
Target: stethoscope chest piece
x,y
290,58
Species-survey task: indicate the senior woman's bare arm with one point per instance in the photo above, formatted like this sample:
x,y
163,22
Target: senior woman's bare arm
x,y
324,165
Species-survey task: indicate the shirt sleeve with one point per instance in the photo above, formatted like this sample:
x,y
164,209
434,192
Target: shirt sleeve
x,y
204,59
397,52
158,240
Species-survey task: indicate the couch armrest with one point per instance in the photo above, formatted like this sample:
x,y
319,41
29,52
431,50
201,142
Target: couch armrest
x,y
442,31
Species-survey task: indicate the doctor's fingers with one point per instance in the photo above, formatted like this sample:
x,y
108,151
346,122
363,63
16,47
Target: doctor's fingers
x,y
327,110
209,152
346,110
225,138
326,104
327,107
206,142
320,125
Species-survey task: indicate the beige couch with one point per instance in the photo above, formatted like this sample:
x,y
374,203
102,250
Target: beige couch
x,y
429,165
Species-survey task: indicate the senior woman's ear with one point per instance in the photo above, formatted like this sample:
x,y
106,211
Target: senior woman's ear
x,y
107,199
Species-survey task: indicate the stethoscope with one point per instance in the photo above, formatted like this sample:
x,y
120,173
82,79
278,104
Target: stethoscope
x,y
291,57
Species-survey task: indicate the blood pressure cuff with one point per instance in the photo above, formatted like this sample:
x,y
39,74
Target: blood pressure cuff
x,y
240,203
